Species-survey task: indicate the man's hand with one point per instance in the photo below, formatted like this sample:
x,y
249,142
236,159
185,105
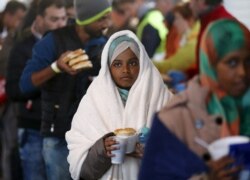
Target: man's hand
x,y
73,62
64,66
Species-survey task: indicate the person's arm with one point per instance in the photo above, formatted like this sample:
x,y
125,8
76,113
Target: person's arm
x,y
39,68
43,54
181,60
40,77
150,40
97,161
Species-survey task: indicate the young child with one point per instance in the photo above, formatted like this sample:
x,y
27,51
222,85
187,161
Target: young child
x,y
126,93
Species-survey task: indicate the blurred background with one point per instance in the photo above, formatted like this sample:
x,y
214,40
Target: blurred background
x,y
239,8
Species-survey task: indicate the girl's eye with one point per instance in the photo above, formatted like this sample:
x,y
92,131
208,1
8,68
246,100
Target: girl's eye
x,y
232,62
134,63
117,64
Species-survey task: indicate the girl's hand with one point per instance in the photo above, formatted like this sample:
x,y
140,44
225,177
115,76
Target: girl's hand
x,y
139,151
108,144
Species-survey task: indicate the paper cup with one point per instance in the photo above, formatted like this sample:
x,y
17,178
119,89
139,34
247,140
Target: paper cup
x,y
220,147
131,142
119,153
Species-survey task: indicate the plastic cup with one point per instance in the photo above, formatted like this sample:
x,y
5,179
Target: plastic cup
x,y
220,147
119,153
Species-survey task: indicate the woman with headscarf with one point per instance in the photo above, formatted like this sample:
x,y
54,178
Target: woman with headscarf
x,y
181,57
126,93
215,105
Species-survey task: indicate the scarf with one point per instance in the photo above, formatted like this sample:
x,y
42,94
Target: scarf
x,y
124,95
222,37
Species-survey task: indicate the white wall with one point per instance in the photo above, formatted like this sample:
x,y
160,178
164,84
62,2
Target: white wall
x,y
240,9
2,4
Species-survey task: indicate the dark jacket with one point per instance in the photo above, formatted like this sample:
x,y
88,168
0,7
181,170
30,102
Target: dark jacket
x,y
62,94
96,163
29,104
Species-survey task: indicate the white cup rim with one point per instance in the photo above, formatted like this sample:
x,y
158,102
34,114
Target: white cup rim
x,y
220,147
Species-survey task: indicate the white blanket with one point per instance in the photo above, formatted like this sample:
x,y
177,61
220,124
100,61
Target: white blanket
x,y
101,111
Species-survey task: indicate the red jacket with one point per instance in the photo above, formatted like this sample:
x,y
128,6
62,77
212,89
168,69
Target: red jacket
x,y
217,13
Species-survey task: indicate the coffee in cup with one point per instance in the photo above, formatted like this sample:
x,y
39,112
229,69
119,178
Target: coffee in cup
x,y
130,135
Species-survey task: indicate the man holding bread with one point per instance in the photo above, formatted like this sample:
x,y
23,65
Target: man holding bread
x,y
61,65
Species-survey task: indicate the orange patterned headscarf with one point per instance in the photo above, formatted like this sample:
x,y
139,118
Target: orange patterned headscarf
x,y
222,37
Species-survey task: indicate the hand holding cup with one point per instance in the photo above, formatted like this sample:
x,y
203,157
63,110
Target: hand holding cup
x,y
109,143
119,150
131,136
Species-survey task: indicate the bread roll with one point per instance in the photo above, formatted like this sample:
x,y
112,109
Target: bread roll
x,y
125,131
74,61
82,65
74,54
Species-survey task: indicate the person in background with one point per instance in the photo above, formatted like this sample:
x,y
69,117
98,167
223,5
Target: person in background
x,y
10,20
132,90
121,19
172,38
70,10
187,27
148,19
29,17
62,87
215,105
151,29
51,14
206,11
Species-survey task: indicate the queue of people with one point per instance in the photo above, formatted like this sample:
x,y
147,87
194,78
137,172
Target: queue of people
x,y
79,71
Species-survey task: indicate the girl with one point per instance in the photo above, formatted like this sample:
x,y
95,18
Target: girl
x,y
126,93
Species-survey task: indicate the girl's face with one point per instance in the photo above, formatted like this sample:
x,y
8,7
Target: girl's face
x,y
125,69
232,72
